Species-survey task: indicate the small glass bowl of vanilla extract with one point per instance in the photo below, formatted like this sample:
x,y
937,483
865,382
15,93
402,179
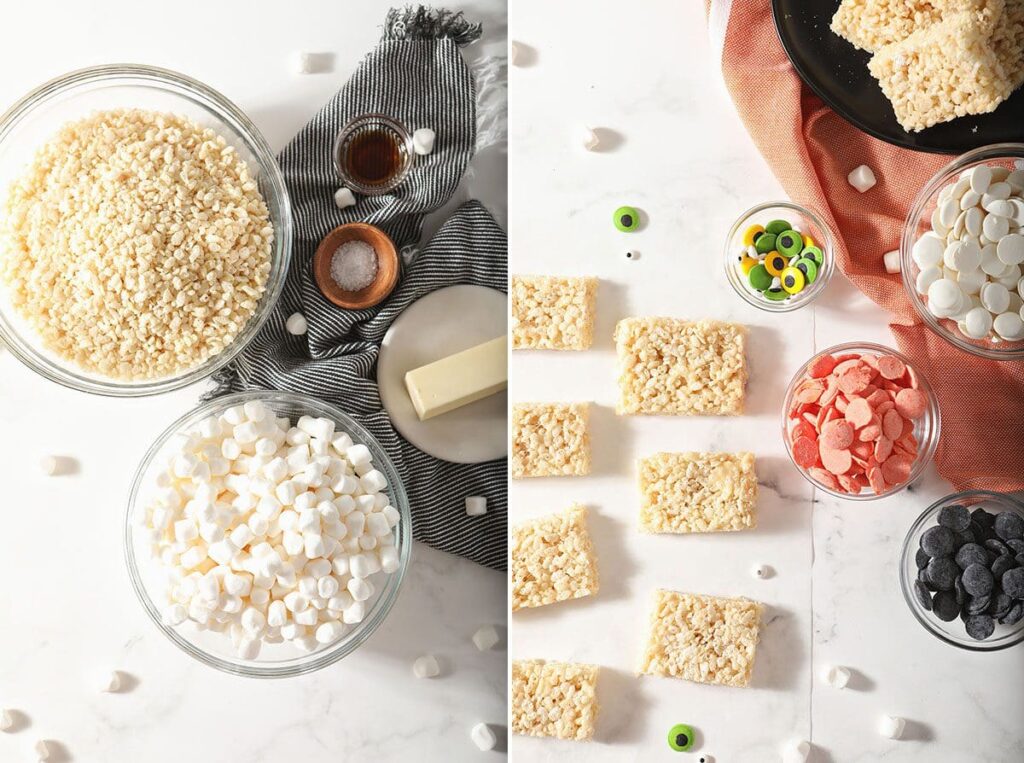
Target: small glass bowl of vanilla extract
x,y
373,154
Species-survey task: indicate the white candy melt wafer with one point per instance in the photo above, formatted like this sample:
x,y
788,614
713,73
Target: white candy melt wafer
x,y
426,667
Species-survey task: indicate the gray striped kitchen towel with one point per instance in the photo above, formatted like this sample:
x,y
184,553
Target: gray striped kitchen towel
x,y
417,75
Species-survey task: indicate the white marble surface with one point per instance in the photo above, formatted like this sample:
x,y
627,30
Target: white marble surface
x,y
68,609
678,152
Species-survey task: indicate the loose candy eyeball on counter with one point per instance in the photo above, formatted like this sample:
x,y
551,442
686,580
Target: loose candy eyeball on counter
x,y
762,571
626,219
681,737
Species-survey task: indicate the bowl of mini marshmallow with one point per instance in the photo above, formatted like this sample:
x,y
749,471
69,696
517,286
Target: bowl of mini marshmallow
x,y
267,534
962,252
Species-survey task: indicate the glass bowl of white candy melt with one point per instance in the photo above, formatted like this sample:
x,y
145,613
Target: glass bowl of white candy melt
x,y
962,252
267,534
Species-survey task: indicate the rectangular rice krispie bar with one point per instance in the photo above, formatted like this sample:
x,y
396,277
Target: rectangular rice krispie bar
x,y
550,440
554,699
705,639
941,72
1008,42
671,366
552,560
552,313
697,492
873,24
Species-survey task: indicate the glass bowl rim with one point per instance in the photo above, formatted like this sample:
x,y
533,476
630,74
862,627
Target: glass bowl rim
x,y
915,216
925,454
184,87
314,660
392,124
827,246
905,552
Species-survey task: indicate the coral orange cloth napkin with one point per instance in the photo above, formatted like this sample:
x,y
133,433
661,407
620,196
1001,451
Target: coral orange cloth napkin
x,y
982,401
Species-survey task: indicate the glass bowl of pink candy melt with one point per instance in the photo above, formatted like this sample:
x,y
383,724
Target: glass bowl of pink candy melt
x,y
860,422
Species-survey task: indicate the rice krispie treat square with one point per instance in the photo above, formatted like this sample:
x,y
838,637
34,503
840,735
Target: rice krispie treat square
x,y
705,639
941,72
873,24
552,560
671,366
697,492
550,440
552,313
1008,42
554,699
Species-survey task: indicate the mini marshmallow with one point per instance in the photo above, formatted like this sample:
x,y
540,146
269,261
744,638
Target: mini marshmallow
x,y
174,615
476,506
388,559
249,648
423,141
308,616
891,726
296,324
483,737
486,637
50,465
6,719
302,62
329,632
277,614
426,667
796,751
891,260
836,676
354,614
360,589
377,524
327,586
588,138
296,602
513,53
43,750
110,682
373,481
862,178
344,198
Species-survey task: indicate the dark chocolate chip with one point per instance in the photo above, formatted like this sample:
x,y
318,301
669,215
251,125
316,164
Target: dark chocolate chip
x,y
921,559
938,541
978,580
1013,583
996,546
955,517
971,553
1001,565
1009,525
942,572
980,627
923,597
945,606
977,604
999,605
1015,615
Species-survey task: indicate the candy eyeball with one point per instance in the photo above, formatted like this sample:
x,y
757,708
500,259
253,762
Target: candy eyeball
x,y
789,243
762,571
680,737
626,219
632,255
706,758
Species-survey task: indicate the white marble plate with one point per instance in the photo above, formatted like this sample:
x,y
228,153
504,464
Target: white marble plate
x,y
442,323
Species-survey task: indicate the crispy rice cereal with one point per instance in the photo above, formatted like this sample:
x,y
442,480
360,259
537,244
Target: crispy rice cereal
x,y
702,638
554,699
136,244
873,24
697,492
941,72
551,313
671,366
550,440
552,560
1008,42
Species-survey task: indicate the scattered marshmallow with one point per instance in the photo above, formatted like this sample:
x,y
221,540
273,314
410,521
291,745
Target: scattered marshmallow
x,y
476,505
588,138
6,719
344,197
891,260
513,53
836,676
303,62
762,571
796,751
110,682
483,737
485,638
296,324
862,178
426,667
423,141
42,750
50,465
891,726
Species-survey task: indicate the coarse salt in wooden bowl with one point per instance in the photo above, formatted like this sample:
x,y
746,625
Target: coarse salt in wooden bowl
x,y
387,266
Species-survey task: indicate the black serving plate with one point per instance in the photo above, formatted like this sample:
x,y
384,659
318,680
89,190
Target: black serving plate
x,y
838,73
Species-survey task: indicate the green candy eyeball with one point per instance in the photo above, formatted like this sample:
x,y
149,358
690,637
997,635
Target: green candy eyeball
x,y
680,737
815,254
809,268
765,243
778,226
626,219
776,294
789,243
759,277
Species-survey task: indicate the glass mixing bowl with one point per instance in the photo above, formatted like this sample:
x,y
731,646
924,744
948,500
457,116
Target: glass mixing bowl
x,y
953,632
918,222
39,115
809,224
926,428
213,648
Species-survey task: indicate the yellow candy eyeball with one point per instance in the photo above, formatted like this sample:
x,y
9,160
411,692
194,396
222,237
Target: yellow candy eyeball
x,y
808,241
750,234
747,263
775,263
793,280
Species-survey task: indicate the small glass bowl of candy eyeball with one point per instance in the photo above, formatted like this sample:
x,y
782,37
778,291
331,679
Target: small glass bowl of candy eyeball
x,y
267,534
962,252
962,570
860,422
779,256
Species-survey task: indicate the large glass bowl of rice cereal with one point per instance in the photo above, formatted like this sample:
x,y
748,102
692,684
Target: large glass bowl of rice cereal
x,y
145,230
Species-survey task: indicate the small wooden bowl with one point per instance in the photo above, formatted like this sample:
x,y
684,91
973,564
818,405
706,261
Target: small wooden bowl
x,y
387,266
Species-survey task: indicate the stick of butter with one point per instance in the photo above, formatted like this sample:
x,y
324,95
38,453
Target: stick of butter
x,y
459,379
